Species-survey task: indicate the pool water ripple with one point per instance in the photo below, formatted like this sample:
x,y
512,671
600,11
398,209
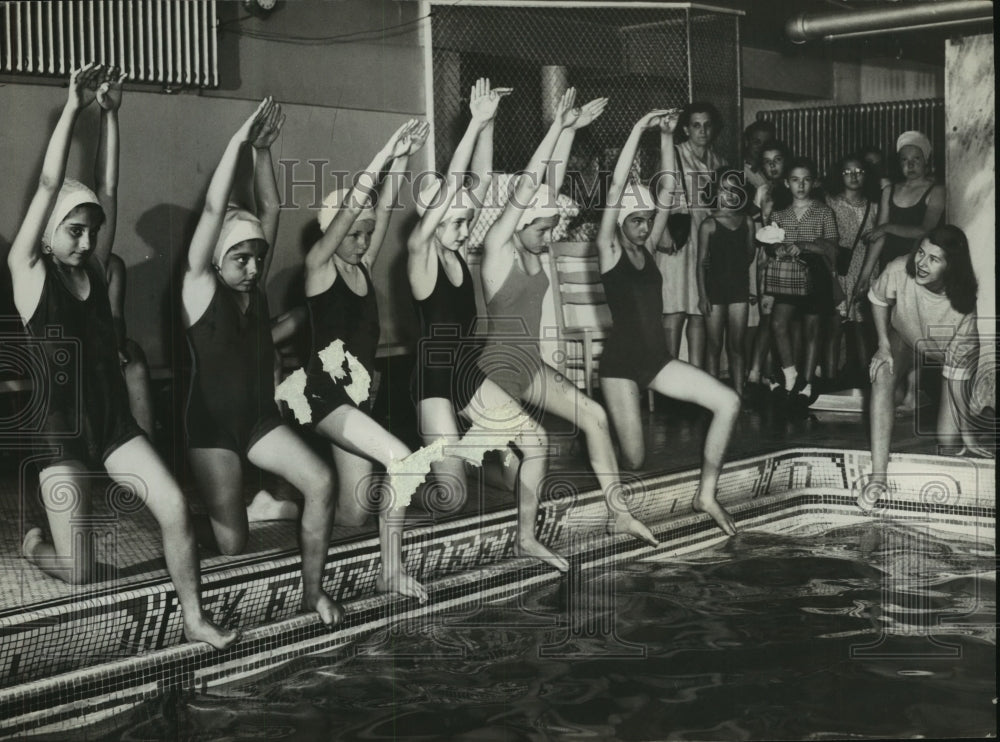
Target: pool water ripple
x,y
872,630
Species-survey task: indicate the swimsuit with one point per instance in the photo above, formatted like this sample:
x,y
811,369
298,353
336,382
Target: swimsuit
x,y
908,216
86,409
448,364
637,347
727,277
339,314
231,403
512,357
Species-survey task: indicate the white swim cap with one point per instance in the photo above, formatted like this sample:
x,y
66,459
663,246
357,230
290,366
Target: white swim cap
x,y
239,225
72,194
332,204
634,198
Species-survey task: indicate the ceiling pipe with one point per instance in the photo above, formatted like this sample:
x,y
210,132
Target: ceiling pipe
x,y
807,26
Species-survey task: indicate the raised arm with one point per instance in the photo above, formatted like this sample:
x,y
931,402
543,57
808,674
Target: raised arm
x,y
265,186
206,234
666,184
619,179
482,156
323,251
875,246
408,144
530,181
560,157
109,98
26,248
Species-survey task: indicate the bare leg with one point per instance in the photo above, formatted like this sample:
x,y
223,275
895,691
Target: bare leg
x,y
437,420
812,330
66,496
533,443
696,339
884,388
735,343
622,399
285,454
369,439
137,381
219,474
834,334
556,395
781,329
166,503
685,382
715,326
673,327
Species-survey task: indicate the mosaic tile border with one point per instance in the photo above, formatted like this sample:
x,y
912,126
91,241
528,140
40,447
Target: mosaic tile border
x,y
463,561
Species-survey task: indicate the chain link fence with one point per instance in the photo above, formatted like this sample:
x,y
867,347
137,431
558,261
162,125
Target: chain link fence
x,y
639,58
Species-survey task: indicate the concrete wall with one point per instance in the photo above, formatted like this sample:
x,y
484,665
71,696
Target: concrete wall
x,y
342,101
970,131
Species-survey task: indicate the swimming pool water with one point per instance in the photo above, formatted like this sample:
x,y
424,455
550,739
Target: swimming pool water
x,y
872,630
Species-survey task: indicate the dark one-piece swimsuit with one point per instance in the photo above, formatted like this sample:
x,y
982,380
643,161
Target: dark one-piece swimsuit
x,y
339,314
637,348
910,216
86,415
448,353
231,403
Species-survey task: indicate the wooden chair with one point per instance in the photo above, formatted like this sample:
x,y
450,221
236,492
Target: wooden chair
x,y
582,313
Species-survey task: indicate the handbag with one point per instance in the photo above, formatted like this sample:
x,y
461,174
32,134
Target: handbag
x,y
679,222
844,254
786,277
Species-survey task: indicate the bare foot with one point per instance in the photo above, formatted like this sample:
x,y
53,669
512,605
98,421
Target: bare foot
x,y
266,506
31,541
625,523
534,548
873,491
719,514
398,581
330,611
203,630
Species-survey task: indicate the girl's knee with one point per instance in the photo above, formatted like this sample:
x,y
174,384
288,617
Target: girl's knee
x,y
231,544
633,458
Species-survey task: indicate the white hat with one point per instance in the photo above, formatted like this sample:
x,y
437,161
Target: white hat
x,y
543,205
634,198
461,200
238,225
916,139
72,194
332,204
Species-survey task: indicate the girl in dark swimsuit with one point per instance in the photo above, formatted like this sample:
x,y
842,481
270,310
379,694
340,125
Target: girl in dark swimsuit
x,y
909,210
58,263
344,325
630,225
442,287
231,414
514,285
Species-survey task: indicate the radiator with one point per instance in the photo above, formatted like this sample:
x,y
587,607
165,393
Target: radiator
x,y
828,133
169,42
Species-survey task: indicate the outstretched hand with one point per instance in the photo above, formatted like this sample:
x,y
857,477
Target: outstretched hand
x,y
267,128
590,112
83,85
651,119
109,92
249,129
417,136
483,101
567,114
668,122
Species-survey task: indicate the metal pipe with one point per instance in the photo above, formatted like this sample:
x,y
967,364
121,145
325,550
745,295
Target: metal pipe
x,y
807,26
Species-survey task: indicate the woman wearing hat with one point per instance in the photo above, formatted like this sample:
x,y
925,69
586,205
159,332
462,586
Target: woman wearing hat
x,y
910,208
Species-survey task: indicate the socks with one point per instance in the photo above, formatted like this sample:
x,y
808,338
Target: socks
x,y
790,376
